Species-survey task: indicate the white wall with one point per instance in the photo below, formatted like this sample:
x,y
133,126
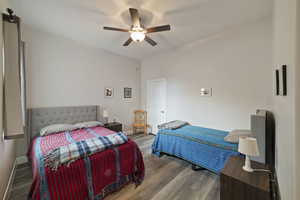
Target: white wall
x,y
236,64
297,101
7,148
62,72
284,107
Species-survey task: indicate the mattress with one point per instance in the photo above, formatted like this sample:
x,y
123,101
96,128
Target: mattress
x,y
201,146
91,177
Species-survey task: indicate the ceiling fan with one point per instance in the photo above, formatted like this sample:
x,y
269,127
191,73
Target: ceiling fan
x,y
138,32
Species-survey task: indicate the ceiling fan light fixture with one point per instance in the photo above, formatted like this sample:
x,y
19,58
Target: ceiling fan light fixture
x,y
137,36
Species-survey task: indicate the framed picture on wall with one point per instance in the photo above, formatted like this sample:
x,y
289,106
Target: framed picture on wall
x,y
108,92
127,93
284,80
206,92
277,82
281,81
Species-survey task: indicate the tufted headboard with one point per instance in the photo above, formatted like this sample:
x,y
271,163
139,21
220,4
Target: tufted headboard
x,y
41,117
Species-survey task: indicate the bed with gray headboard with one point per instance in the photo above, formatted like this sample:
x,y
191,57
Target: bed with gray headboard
x,y
37,118
59,182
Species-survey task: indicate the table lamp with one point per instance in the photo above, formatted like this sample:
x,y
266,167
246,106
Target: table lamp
x,y
248,147
105,116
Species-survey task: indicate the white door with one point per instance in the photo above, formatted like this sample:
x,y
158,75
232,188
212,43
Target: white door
x,y
156,103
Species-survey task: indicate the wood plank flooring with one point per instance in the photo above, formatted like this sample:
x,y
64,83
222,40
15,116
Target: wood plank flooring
x,y
167,178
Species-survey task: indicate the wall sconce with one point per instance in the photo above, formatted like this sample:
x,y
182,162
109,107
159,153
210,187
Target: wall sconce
x,y
206,92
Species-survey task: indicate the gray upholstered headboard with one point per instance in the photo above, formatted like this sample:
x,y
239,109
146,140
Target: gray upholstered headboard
x,y
41,117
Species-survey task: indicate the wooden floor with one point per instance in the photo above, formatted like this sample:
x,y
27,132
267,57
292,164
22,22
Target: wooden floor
x,y
167,178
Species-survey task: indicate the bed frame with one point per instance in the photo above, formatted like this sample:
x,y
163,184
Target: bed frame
x,y
37,118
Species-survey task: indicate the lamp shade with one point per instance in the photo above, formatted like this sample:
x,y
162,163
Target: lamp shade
x,y
248,146
105,113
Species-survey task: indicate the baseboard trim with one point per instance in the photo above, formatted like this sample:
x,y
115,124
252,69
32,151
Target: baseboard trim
x,y
10,182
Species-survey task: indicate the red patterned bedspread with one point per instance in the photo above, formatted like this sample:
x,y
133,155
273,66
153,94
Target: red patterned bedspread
x,y
87,178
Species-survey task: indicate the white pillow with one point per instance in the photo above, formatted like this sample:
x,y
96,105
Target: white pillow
x,y
233,136
89,124
55,128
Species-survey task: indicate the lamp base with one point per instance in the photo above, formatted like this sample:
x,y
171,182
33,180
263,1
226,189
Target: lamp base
x,y
247,169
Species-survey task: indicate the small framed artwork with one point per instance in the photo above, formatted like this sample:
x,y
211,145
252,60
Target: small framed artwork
x,y
206,92
281,81
108,92
127,93
284,80
277,82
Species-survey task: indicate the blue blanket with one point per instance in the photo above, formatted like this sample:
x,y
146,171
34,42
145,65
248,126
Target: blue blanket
x,y
201,146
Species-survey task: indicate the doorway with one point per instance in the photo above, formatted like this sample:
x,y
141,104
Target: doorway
x,y
156,103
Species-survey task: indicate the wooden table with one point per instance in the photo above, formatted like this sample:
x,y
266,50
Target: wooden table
x,y
237,184
114,126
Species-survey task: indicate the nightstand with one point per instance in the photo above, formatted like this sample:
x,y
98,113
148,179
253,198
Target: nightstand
x,y
237,184
114,126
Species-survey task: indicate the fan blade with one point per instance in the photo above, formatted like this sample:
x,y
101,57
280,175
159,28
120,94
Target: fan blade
x,y
150,41
115,29
158,28
127,42
135,18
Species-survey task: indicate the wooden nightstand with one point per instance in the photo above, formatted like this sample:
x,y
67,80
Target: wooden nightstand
x,y
237,184
114,126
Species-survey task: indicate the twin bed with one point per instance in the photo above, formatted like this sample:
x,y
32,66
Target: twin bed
x,y
206,148
201,146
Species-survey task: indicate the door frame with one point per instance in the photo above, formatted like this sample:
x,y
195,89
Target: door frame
x,y
148,97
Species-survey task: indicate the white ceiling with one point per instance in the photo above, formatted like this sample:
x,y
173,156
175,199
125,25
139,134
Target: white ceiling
x,y
190,20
